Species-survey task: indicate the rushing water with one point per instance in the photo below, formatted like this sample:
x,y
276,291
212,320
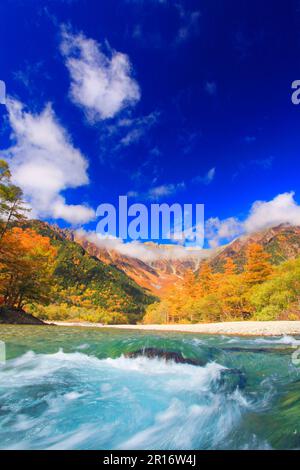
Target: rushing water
x,y
73,388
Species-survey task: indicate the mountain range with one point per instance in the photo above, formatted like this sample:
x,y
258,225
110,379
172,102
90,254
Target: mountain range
x,y
281,242
139,281
81,278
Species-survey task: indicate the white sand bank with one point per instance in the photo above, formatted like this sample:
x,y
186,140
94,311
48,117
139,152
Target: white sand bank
x,y
241,328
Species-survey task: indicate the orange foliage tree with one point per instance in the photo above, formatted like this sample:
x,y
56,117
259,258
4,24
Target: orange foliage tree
x,y
215,296
229,267
205,281
27,262
258,267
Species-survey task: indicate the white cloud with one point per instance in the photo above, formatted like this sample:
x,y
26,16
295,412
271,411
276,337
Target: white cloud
x,y
102,85
283,209
207,178
136,128
210,175
220,231
164,190
44,163
124,132
146,252
157,192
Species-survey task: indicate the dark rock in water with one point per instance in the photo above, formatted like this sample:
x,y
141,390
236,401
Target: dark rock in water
x,y
229,381
17,316
174,356
267,350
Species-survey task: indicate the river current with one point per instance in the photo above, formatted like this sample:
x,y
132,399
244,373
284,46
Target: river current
x,y
74,388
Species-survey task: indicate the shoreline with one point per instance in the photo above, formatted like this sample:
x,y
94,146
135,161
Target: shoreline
x,y
241,328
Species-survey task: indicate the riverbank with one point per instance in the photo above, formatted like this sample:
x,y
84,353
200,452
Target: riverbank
x,y
17,316
241,328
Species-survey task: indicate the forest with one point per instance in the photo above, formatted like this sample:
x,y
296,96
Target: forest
x,y
260,291
54,278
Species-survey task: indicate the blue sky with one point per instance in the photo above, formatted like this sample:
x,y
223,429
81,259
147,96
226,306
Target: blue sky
x,y
166,101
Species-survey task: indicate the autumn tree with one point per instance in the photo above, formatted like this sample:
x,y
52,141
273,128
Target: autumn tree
x,y
206,309
27,262
205,279
188,283
233,299
279,297
258,267
230,267
261,292
12,207
156,313
174,302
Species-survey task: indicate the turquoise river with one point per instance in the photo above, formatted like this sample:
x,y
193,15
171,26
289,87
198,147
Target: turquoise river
x,y
74,388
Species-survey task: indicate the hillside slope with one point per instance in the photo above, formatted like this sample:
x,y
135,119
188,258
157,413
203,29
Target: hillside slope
x,y
82,279
142,273
90,275
281,242
154,275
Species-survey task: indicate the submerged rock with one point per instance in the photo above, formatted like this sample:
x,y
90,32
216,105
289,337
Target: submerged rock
x,y
267,350
229,381
155,353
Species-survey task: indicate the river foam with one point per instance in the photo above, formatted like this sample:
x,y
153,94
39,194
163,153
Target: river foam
x,y
66,388
73,400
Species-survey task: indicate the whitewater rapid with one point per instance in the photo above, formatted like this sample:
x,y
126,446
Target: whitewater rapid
x,y
78,401
72,399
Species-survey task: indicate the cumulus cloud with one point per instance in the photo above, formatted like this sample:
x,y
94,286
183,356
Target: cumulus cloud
x,y
283,209
100,84
44,163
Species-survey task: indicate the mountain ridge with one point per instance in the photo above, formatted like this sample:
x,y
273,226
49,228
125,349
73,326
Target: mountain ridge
x,y
282,242
81,279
